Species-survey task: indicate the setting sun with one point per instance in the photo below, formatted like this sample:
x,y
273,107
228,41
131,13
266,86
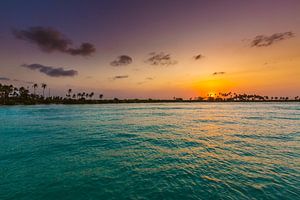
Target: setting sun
x,y
212,94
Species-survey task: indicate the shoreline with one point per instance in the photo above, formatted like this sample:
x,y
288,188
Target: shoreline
x,y
138,101
10,95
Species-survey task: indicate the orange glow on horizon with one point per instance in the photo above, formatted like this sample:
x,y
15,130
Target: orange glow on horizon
x,y
212,94
212,87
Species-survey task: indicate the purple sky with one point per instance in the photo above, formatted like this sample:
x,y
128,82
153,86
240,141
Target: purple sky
x,y
174,31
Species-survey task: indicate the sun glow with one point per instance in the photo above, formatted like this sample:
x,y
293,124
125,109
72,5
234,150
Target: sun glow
x,y
211,94
211,87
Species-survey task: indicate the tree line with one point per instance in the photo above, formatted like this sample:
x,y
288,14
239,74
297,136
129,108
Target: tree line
x,y
10,95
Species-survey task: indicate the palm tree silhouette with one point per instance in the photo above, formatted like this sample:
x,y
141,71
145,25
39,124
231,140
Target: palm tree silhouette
x,y
101,96
91,95
23,92
69,93
34,87
44,85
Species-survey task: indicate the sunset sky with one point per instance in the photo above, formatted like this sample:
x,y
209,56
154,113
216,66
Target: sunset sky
x,y
152,49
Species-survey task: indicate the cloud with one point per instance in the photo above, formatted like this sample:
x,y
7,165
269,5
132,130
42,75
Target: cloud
x,y
15,80
120,77
28,82
264,41
4,78
85,49
147,79
49,40
198,57
51,71
140,83
161,58
121,61
218,73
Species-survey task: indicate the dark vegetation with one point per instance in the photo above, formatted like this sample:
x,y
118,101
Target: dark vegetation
x,y
10,95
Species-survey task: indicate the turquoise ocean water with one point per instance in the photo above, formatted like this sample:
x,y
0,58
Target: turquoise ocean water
x,y
150,151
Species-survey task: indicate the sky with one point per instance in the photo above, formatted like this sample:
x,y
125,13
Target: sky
x,y
152,48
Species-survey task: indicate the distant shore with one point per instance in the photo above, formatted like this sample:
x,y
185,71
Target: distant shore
x,y
120,101
10,95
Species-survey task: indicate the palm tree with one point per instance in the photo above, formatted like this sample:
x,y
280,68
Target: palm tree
x,y
101,96
5,91
15,92
267,97
34,87
23,92
69,93
44,85
91,95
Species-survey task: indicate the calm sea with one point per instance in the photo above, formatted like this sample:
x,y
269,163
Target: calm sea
x,y
150,151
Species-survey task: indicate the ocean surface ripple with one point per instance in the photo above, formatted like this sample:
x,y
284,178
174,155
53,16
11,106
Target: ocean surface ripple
x,y
150,151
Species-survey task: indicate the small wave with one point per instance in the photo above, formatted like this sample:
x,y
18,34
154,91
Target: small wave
x,y
206,121
211,179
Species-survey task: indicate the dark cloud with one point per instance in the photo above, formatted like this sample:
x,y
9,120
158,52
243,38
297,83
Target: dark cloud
x,y
121,61
161,58
4,78
263,40
149,78
51,71
198,57
120,77
85,49
49,40
218,73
